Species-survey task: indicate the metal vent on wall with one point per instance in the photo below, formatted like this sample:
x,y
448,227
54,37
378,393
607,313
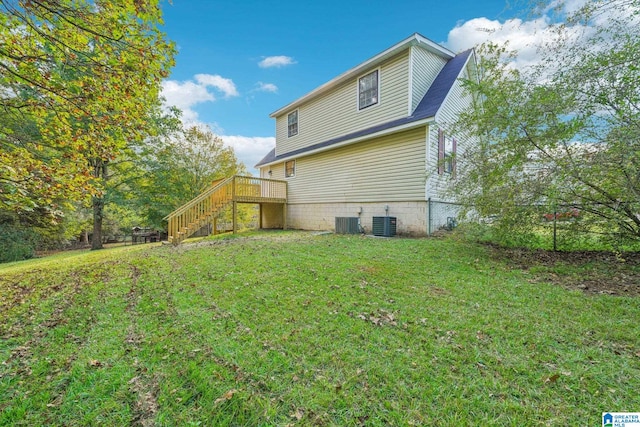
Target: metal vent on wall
x,y
347,225
384,226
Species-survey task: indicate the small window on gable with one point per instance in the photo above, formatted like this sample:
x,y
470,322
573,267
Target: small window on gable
x,y
290,168
368,90
447,148
292,123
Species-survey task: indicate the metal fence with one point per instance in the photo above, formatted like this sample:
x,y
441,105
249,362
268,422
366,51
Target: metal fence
x,y
560,227
564,227
571,227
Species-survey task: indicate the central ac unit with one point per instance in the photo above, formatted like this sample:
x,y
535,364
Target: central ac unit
x,y
384,226
347,225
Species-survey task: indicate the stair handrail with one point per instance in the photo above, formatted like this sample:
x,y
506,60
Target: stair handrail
x,y
185,220
200,197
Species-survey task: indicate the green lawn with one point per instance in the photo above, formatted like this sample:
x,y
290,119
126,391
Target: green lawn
x,y
291,328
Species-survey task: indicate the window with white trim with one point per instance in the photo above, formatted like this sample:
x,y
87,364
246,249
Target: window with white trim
x,y
292,123
448,155
368,90
447,148
290,168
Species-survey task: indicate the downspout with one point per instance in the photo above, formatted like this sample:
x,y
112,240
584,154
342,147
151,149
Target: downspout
x,y
427,190
429,217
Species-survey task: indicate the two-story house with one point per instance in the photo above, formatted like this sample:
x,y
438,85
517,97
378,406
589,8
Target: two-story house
x,y
371,142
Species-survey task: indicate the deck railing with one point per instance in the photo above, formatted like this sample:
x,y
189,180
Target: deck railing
x,y
201,210
248,189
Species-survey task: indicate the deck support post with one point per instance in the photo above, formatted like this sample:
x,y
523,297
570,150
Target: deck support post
x,y
259,216
234,204
215,226
284,216
235,216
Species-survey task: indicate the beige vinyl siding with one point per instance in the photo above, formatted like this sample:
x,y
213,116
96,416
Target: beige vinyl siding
x,y
277,171
389,168
426,66
336,113
456,101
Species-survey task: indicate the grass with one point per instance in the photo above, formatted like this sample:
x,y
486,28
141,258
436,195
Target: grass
x,y
291,328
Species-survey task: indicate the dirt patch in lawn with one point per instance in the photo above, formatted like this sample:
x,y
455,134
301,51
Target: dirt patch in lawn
x,y
591,272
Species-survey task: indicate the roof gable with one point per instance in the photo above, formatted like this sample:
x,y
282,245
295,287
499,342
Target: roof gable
x,y
427,108
437,93
414,40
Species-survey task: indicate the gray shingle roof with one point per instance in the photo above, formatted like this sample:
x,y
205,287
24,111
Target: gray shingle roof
x,y
435,96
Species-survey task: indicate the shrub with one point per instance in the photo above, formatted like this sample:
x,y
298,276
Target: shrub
x,y
17,243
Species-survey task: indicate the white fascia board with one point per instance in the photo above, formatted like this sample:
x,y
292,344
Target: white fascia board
x,y
414,40
412,125
410,83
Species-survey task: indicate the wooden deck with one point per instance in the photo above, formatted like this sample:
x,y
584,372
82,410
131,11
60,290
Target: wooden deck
x,y
205,208
259,190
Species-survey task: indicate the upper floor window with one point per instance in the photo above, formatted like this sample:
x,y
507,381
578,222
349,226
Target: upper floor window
x,y
290,168
447,148
448,155
292,123
368,90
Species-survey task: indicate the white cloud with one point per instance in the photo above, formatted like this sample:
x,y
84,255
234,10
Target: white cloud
x,y
276,61
224,85
266,87
531,37
249,149
526,37
187,94
564,6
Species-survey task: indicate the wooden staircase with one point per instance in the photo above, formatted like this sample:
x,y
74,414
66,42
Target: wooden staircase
x,y
204,208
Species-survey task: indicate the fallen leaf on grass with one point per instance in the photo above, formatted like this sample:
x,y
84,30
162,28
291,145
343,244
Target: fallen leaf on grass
x,y
552,379
298,414
95,363
379,318
55,403
227,396
481,335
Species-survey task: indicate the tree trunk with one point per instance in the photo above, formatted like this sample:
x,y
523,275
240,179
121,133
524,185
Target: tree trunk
x,y
84,240
98,207
100,172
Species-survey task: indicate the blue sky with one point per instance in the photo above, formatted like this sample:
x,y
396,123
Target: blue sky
x,y
238,61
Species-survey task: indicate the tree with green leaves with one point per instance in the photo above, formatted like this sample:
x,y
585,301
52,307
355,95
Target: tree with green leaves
x,y
564,134
182,166
77,81
121,177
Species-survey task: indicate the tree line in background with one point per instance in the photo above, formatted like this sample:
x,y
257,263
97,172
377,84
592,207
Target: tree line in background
x,y
85,145
559,136
84,142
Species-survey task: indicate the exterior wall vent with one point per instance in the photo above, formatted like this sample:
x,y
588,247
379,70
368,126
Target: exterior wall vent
x,y
347,225
384,226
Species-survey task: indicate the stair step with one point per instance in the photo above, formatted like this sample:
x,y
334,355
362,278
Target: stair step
x,y
200,216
